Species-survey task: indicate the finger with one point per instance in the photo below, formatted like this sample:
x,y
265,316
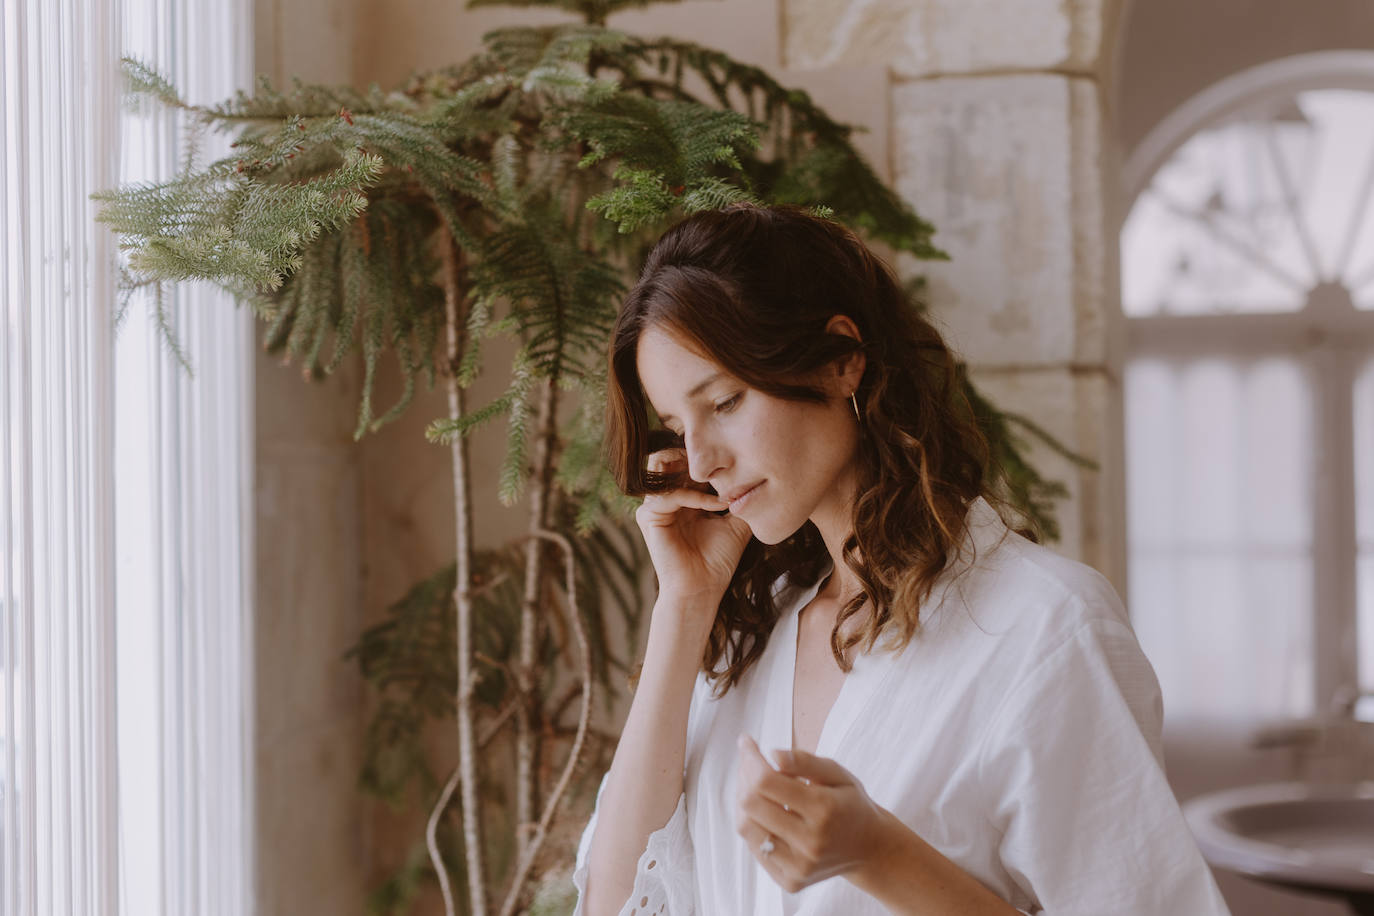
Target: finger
x,y
750,766
665,505
664,458
755,834
673,461
670,460
753,766
781,801
749,749
823,770
781,863
790,794
751,832
771,816
786,791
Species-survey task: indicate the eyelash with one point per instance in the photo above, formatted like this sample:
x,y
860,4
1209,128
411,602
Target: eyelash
x,y
728,404
724,406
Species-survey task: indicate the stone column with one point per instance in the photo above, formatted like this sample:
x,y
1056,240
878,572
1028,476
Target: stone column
x,y
998,138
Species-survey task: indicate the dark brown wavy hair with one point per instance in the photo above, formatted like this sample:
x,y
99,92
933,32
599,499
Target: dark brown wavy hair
x,y
753,287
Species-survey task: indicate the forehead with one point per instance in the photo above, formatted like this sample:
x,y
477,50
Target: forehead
x,y
670,368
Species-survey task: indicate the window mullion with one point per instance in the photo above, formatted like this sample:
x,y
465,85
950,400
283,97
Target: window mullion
x,y
1335,645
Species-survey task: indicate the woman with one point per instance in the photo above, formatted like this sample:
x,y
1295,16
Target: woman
x,y
954,720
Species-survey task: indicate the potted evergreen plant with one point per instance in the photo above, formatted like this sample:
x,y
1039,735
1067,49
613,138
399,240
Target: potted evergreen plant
x,y
512,194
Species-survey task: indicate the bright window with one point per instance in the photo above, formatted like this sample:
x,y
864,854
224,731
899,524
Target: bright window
x,y
1248,289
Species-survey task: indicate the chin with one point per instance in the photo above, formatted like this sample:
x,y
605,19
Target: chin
x,y
774,534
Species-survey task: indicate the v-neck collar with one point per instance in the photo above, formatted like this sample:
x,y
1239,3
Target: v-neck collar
x,y
985,530
864,681
856,691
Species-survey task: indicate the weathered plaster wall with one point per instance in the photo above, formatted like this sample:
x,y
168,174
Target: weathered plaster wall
x,y
311,835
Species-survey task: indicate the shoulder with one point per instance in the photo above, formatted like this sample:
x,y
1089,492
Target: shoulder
x,y
1010,607
1006,582
1052,634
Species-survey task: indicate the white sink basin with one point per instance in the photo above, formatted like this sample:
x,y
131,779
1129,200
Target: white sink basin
x,y
1308,837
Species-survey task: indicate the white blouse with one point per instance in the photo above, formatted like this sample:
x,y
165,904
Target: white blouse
x,y
1018,733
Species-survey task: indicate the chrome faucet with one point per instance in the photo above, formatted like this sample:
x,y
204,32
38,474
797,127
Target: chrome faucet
x,y
1346,702
1354,720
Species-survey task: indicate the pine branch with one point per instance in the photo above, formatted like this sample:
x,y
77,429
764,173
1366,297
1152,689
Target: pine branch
x,y
223,226
142,80
666,151
812,159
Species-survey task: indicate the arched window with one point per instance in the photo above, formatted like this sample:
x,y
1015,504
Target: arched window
x,y
1247,265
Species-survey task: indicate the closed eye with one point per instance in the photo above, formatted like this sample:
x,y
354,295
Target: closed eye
x,y
663,437
728,404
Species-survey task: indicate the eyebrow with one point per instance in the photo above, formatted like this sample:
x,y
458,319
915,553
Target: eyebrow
x,y
696,390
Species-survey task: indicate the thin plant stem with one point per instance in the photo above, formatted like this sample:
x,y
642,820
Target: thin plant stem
x,y
528,853
465,775
527,778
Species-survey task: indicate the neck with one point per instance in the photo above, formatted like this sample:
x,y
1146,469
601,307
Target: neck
x,y
842,584
835,524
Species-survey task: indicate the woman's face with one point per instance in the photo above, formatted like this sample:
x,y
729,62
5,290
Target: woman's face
x,y
781,462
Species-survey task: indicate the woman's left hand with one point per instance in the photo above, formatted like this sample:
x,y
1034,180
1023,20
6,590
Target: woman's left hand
x,y
820,820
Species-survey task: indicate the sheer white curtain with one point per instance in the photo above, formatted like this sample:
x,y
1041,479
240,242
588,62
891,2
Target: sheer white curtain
x,y
57,726
125,744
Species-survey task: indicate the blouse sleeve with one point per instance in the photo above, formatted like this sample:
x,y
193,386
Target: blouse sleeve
x,y
665,876
1072,765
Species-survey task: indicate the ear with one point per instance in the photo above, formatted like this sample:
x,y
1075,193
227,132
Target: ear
x,y
848,369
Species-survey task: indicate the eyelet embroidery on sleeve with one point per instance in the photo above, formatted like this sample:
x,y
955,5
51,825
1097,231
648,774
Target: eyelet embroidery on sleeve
x,y
667,890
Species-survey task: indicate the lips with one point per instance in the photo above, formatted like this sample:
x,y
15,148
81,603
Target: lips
x,y
737,492
737,496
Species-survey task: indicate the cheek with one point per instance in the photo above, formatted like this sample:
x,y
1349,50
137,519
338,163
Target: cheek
x,y
785,433
818,445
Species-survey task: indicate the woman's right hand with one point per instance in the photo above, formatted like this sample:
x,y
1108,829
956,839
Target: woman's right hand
x,y
694,551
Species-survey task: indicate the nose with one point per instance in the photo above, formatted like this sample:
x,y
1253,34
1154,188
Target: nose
x,y
704,456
